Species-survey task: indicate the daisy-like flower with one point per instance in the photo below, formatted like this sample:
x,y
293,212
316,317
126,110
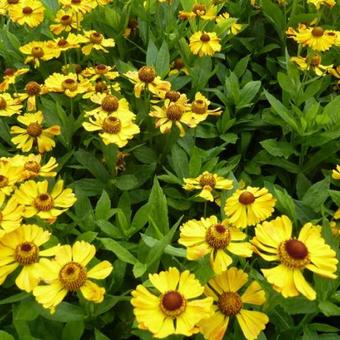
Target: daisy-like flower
x,y
229,24
96,40
32,167
176,309
100,71
336,172
21,248
274,242
146,79
69,42
9,77
68,84
9,176
178,66
34,133
314,37
69,272
313,63
10,215
207,182
37,51
205,43
32,91
29,12
200,10
230,303
247,207
66,21
209,236
79,6
113,129
40,201
9,106
319,3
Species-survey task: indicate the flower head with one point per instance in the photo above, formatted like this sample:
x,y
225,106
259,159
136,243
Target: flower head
x,y
29,12
9,77
10,215
313,63
65,21
9,176
175,308
95,40
79,6
204,43
209,236
336,172
9,106
274,242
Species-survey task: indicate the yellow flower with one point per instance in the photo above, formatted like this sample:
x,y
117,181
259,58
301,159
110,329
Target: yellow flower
x,y
178,66
314,37
113,128
204,43
21,248
96,40
10,215
205,12
37,51
9,106
9,176
336,172
313,63
318,3
131,28
176,309
68,272
71,41
100,71
32,91
31,166
30,12
66,21
34,133
274,242
207,182
229,303
146,79
249,206
229,24
68,84
82,6
9,77
40,201
209,236
335,227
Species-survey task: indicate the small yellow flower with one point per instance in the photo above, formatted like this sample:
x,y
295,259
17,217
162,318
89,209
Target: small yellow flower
x,y
40,201
79,6
178,66
314,37
313,63
71,85
229,24
9,77
274,242
200,10
100,71
69,272
228,303
69,42
9,176
66,21
204,43
175,309
21,248
207,183
96,40
29,12
249,206
319,3
336,172
32,91
9,106
34,133
10,215
209,236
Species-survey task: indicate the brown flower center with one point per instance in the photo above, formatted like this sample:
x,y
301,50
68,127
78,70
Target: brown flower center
x,y
110,103
32,166
9,71
174,112
76,2
1,217
229,303
218,236
32,88
112,125
133,23
100,87
246,198
208,179
66,20
69,84
179,63
101,69
62,43
96,38
293,254
317,32
26,253
44,202
146,74
173,96
12,2
172,303
27,10
315,60
199,106
34,129
3,103
37,52
199,9
3,181
72,276
205,37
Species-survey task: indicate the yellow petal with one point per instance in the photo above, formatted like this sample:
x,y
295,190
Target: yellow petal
x,y
27,279
92,292
189,286
83,252
220,261
303,286
251,323
100,271
254,294
214,327
165,280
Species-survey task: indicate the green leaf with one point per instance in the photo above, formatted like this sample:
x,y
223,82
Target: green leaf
x,y
278,148
116,248
322,327
335,195
163,60
329,308
127,182
241,66
317,194
73,330
65,312
274,14
285,203
14,298
247,94
299,305
99,335
6,336
26,310
169,249
151,54
103,207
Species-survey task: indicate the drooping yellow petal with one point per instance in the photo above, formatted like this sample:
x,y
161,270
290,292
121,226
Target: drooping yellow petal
x,y
189,286
92,292
100,271
303,286
254,294
251,323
